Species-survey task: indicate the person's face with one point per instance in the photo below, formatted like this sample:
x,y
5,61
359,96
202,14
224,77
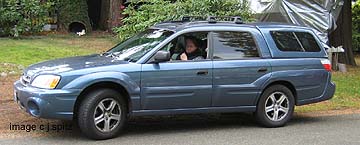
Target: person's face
x,y
190,46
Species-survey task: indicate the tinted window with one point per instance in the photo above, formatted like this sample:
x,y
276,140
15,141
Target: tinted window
x,y
234,45
308,42
295,41
286,41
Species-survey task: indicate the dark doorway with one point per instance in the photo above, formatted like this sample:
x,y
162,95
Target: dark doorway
x,y
94,11
98,13
75,27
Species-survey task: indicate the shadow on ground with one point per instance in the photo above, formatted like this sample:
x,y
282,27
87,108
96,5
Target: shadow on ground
x,y
143,126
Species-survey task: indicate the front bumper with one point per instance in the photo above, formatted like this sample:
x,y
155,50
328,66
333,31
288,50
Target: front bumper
x,y
44,103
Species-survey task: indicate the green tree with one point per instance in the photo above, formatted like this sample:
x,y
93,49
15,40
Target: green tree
x,y
154,11
18,17
356,26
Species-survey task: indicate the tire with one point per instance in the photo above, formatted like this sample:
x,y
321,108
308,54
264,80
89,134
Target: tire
x,y
113,107
284,109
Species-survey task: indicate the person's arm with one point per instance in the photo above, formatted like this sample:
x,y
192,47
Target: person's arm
x,y
183,56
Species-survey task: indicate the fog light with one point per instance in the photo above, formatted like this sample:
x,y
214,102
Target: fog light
x,y
34,109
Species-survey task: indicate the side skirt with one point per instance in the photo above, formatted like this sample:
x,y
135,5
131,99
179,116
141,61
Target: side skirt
x,y
194,110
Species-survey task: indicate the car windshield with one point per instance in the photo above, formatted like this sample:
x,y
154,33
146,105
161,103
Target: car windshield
x,y
134,48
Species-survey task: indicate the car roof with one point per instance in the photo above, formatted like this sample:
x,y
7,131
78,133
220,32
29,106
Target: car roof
x,y
181,25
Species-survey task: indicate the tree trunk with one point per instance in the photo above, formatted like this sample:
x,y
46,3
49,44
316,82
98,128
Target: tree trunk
x,y
115,14
343,34
104,14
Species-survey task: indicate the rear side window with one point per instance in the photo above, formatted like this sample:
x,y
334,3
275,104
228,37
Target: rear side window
x,y
234,45
295,41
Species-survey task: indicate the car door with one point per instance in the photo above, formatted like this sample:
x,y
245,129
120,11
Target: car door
x,y
176,84
238,70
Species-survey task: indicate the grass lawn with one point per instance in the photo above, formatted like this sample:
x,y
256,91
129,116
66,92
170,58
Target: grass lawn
x,y
17,54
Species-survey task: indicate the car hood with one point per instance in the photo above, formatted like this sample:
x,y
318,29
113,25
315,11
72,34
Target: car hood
x,y
72,63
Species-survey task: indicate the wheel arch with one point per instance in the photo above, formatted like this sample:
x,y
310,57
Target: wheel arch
x,y
102,85
287,84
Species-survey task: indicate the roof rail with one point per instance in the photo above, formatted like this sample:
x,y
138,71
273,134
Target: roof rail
x,y
192,18
213,19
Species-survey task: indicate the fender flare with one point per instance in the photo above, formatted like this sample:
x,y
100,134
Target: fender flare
x,y
122,79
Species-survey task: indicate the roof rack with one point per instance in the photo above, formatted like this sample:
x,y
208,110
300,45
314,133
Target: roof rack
x,y
213,19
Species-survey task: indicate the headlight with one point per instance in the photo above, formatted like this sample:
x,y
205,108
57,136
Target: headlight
x,y
46,81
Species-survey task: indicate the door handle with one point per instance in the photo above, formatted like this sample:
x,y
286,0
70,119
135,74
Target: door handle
x,y
262,69
203,72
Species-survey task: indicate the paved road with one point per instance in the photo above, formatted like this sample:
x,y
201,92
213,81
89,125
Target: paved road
x,y
228,129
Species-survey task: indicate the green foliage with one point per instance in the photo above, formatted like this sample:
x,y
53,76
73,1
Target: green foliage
x,y
73,11
356,26
18,17
154,11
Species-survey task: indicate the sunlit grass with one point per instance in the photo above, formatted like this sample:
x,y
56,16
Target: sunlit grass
x,y
26,51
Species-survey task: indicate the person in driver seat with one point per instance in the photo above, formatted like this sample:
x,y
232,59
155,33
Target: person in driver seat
x,y
192,51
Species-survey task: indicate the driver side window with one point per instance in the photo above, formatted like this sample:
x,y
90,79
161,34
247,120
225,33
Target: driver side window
x,y
187,47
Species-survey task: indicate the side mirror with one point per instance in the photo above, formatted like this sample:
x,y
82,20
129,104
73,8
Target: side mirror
x,y
162,56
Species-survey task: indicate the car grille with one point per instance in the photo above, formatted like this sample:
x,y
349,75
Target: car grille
x,y
25,79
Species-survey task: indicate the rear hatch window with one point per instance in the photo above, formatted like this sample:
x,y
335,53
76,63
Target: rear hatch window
x,y
295,41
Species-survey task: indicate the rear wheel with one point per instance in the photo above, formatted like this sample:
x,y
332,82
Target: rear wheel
x,y
102,114
275,107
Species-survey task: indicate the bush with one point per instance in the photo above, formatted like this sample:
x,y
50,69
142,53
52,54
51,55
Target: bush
x,y
18,17
154,11
356,26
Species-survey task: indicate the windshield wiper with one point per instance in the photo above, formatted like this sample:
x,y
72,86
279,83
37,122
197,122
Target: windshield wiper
x,y
117,54
111,54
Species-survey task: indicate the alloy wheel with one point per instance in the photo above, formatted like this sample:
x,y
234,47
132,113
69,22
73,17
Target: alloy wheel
x,y
277,106
107,115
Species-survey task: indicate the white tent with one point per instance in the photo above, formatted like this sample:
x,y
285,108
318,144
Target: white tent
x,y
318,14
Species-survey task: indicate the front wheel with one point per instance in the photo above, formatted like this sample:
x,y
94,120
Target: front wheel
x,y
102,114
275,107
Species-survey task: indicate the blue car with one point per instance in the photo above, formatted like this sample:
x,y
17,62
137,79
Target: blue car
x,y
183,67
